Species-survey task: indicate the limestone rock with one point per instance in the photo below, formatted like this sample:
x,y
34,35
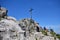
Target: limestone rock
x,y
3,12
10,30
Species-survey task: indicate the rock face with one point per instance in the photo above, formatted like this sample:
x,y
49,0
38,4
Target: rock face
x,y
29,24
32,32
3,12
10,30
24,29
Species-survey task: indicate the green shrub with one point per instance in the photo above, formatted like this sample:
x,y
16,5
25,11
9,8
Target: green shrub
x,y
53,33
44,32
36,39
58,36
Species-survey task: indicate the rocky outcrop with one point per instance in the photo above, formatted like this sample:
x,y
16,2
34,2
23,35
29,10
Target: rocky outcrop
x,y
3,12
24,29
10,30
34,33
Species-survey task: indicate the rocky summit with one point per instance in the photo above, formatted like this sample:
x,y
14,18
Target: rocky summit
x,y
23,29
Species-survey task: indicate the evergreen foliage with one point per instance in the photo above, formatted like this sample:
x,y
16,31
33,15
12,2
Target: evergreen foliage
x,y
58,36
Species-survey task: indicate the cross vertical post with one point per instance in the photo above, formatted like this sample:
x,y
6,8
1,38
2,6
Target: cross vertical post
x,y
0,10
31,12
0,7
30,20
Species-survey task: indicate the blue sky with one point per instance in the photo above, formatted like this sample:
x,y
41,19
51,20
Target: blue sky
x,y
46,12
